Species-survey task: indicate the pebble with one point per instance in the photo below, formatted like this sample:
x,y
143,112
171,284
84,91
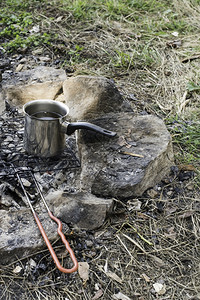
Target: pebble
x,y
32,263
4,63
190,187
26,182
92,254
19,67
38,51
44,58
17,270
169,193
23,60
11,146
8,139
89,243
152,193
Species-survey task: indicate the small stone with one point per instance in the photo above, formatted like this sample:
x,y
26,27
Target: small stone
x,y
92,254
190,187
4,63
89,243
81,209
134,205
11,145
38,51
32,263
159,288
169,193
44,58
8,139
152,193
23,60
25,182
17,269
19,67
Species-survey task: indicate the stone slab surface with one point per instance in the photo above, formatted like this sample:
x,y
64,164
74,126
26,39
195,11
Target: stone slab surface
x,y
90,97
38,83
111,167
83,210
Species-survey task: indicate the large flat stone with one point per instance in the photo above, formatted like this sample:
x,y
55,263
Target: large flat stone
x,y
111,167
90,97
19,235
38,83
83,210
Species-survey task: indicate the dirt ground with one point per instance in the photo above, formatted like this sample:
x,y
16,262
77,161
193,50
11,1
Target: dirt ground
x,y
148,248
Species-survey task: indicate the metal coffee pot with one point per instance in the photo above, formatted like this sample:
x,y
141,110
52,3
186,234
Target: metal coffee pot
x,y
46,127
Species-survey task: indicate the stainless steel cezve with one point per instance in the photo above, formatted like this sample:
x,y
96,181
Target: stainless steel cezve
x,y
46,126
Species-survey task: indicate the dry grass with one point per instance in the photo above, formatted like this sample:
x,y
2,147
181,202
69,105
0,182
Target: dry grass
x,y
139,58
145,241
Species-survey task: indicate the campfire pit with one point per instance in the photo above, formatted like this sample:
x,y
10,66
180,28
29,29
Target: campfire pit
x,y
80,184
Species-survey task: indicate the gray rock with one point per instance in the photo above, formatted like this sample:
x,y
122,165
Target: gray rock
x,y
4,63
111,167
90,97
20,236
39,83
81,210
2,103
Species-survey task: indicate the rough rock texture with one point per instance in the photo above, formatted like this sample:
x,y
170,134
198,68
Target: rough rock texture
x,y
2,102
38,83
20,236
82,210
90,97
111,167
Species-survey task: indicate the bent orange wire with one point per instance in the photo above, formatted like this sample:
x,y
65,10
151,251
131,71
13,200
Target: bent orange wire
x,y
65,242
44,235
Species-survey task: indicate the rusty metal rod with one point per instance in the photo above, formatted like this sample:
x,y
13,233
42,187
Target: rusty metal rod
x,y
44,235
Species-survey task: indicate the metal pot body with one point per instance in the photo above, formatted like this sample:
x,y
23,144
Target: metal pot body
x,y
43,134
46,127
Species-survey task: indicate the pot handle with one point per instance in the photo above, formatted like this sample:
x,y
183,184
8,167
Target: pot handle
x,y
70,128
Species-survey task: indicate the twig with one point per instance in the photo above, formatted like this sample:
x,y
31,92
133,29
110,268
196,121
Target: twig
x,y
184,60
156,259
183,103
134,242
132,154
142,238
125,247
180,284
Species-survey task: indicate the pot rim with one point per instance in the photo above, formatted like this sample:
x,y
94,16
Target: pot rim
x,y
63,106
